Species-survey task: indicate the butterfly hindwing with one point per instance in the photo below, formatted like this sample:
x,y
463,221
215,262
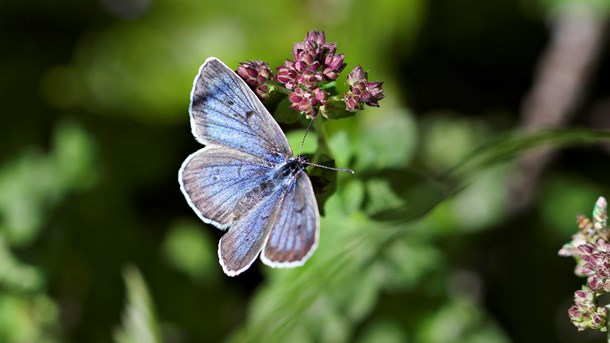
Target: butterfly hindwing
x,y
240,246
294,235
214,179
285,225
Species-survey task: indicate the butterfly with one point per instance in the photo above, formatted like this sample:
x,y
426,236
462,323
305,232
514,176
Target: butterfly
x,y
245,178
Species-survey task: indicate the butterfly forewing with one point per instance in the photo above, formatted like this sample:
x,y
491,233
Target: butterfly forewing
x,y
224,111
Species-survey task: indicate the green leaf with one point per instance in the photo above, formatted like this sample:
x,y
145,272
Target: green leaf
x,y
380,196
324,180
460,320
28,318
286,114
34,183
422,196
565,196
384,141
189,249
336,110
295,138
352,195
15,275
383,331
140,324
511,146
298,297
552,7
350,263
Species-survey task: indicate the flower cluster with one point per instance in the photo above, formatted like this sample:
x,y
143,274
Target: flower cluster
x,y
309,75
314,61
361,91
585,313
595,265
591,250
256,74
306,101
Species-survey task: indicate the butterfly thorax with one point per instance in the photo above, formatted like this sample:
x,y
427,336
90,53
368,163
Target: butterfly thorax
x,y
286,172
283,175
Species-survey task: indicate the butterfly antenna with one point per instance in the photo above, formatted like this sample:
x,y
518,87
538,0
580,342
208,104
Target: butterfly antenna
x,y
319,165
305,135
330,168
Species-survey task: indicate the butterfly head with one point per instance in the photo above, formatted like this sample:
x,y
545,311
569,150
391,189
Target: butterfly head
x,y
301,161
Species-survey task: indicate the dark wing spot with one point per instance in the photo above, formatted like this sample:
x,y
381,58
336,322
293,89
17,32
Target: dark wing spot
x,y
249,114
200,98
230,103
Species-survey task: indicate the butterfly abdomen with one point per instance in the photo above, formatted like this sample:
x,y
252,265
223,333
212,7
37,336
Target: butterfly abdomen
x,y
281,176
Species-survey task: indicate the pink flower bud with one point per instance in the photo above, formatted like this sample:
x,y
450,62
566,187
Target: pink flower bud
x,y
306,101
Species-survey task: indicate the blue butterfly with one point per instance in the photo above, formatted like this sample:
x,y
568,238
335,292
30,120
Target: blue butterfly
x,y
246,179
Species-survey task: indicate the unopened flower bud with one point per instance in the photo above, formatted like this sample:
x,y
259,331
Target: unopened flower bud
x,y
306,101
361,91
256,74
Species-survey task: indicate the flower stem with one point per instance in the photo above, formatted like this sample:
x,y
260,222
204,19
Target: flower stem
x,y
608,325
280,88
318,126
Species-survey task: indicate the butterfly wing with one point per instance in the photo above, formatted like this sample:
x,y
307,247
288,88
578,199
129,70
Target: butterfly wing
x,y
215,179
230,182
240,246
224,111
294,236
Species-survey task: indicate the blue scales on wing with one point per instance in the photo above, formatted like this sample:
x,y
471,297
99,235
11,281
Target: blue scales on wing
x,y
295,231
224,111
284,224
214,180
240,246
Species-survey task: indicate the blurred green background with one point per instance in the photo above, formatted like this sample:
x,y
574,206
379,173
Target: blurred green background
x,y
97,243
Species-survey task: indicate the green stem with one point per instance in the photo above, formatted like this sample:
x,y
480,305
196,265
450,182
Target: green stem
x,y
608,324
336,98
318,127
329,85
280,88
